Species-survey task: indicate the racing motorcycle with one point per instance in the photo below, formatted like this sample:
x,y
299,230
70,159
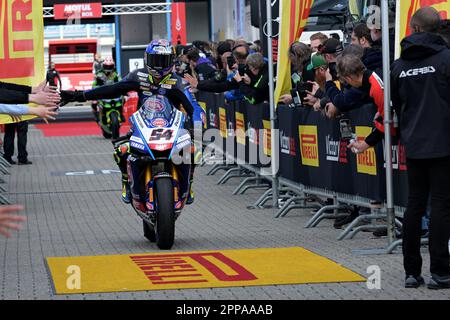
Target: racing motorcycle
x,y
110,117
159,187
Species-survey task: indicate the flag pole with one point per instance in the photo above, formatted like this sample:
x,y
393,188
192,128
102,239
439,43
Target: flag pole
x,y
387,122
273,114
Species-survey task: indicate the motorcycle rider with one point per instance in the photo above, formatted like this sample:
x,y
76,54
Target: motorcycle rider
x,y
158,77
106,75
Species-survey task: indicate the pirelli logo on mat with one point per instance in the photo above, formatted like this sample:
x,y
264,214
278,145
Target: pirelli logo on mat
x,y
366,161
197,269
309,145
187,268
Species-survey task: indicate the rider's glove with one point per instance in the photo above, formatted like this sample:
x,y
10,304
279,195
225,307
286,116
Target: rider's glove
x,y
71,96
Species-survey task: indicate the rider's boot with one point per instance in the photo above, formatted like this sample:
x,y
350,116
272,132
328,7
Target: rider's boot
x,y
95,112
126,191
191,197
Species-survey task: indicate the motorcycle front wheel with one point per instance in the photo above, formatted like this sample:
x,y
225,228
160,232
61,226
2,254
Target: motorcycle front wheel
x,y
165,219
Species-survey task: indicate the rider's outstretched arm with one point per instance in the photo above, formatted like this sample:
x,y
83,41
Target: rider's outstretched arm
x,y
115,90
112,91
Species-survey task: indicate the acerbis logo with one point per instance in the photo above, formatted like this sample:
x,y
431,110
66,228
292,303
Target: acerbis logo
x,y
417,71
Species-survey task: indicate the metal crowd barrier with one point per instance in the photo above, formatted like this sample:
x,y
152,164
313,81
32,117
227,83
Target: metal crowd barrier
x,y
294,194
4,170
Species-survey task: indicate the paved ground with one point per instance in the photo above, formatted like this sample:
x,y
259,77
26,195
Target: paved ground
x,y
83,215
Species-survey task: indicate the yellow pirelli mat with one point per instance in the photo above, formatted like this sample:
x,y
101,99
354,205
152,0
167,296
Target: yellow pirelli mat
x,y
187,270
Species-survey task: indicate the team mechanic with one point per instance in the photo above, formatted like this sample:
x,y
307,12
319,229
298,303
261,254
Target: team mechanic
x,y
157,77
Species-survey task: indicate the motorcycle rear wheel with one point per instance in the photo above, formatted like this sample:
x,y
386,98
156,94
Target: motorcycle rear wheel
x,y
165,218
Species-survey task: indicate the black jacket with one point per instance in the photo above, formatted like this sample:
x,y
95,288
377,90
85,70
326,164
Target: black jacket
x,y
421,95
373,60
14,93
218,84
258,89
205,69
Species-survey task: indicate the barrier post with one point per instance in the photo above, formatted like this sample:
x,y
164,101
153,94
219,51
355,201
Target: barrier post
x,y
387,123
273,114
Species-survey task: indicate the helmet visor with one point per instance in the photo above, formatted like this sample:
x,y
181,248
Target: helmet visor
x,y
160,61
108,67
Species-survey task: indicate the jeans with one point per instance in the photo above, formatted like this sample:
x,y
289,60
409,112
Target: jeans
x,y
8,144
425,177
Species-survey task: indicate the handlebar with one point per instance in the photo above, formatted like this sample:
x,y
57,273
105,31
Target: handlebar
x,y
123,138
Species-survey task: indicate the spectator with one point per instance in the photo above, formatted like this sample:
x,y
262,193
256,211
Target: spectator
x,y
222,48
43,95
317,66
8,142
376,34
16,111
97,65
204,51
201,65
352,71
223,80
254,85
240,52
317,40
53,77
9,221
421,95
330,50
372,57
300,57
350,97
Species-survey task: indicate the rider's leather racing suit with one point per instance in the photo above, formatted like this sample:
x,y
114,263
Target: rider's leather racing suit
x,y
172,86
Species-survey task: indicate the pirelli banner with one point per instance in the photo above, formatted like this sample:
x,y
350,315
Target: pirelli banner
x,y
22,49
313,153
241,128
311,149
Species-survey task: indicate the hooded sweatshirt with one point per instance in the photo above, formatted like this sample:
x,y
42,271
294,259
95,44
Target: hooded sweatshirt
x,y
421,95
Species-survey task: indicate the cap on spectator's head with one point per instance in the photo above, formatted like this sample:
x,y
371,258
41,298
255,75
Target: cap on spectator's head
x,y
331,46
317,61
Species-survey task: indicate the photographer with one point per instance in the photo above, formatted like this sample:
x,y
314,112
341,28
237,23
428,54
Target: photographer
x,y
314,95
223,80
201,65
254,84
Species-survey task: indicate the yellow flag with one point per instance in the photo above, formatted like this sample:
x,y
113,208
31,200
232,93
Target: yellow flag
x,y
293,15
22,48
405,11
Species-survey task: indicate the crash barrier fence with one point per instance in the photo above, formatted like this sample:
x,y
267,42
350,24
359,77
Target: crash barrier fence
x,y
314,161
4,170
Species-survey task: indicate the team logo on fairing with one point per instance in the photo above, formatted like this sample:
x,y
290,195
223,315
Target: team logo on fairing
x,y
159,122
